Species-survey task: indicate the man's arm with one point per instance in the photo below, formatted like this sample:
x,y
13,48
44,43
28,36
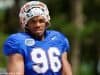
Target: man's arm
x,y
15,65
66,67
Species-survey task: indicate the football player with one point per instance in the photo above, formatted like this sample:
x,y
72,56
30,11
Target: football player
x,y
37,51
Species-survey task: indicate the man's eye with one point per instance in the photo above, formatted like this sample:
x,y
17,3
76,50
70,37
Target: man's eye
x,y
42,21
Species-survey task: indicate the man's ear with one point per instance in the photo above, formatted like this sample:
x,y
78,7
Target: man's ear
x,y
48,24
26,27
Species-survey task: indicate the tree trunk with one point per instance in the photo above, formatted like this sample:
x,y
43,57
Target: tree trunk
x,y
77,20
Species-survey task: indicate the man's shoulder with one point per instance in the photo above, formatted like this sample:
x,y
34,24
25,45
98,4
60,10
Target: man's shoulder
x,y
16,36
13,44
56,33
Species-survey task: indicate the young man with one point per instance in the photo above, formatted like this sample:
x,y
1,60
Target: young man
x,y
37,51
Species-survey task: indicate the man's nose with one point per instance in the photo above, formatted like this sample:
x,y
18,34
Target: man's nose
x,y
38,23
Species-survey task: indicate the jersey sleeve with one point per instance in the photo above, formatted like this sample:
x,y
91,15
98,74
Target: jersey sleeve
x,y
63,41
66,45
11,46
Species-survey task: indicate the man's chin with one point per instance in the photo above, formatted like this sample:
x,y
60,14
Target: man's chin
x,y
38,33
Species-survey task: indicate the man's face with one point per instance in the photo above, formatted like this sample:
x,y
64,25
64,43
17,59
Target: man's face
x,y
37,25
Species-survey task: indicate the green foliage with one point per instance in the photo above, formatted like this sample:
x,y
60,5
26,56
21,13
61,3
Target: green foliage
x,y
90,28
90,41
2,57
2,15
86,69
62,24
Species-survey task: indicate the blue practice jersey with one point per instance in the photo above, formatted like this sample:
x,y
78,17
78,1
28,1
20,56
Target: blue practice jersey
x,y
40,57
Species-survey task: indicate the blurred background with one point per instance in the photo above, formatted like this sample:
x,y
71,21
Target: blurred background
x,y
79,20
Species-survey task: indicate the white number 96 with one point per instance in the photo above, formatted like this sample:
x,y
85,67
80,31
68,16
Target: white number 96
x,y
41,59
